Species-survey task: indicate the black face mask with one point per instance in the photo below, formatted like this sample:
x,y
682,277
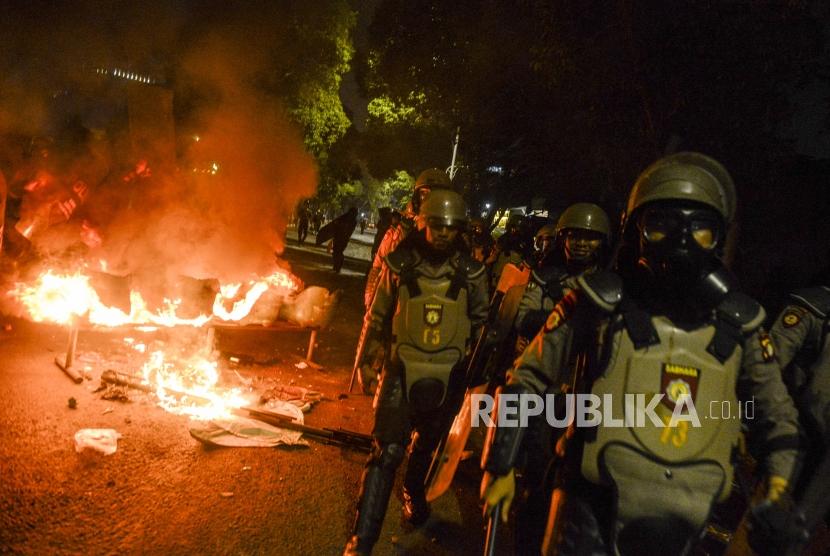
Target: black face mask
x,y
679,246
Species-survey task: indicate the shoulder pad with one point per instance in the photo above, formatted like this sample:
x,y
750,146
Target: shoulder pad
x,y
400,259
742,311
547,274
603,288
469,266
816,300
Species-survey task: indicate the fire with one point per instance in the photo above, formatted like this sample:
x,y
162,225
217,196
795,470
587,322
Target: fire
x,y
282,282
56,298
183,385
197,378
61,298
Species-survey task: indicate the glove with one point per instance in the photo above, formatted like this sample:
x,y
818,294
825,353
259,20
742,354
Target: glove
x,y
774,525
499,489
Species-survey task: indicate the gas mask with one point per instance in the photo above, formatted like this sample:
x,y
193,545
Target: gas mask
x,y
679,244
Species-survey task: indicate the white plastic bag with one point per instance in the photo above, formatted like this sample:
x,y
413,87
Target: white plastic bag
x,y
313,306
101,440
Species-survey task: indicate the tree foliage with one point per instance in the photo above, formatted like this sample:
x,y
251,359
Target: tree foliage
x,y
322,31
570,100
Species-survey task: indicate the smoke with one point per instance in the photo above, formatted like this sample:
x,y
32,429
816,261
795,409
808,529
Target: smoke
x,y
212,208
224,214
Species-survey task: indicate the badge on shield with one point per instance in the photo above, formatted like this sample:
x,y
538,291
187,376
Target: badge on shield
x,y
433,313
677,381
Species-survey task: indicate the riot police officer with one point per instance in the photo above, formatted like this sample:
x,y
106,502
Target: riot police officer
x,y
479,241
427,180
800,336
576,244
430,179
671,327
433,298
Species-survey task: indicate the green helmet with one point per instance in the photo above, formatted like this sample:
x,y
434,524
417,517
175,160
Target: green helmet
x,y
445,206
548,230
585,216
686,176
433,179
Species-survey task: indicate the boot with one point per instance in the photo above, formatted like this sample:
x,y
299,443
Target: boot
x,y
355,548
416,509
377,486
415,506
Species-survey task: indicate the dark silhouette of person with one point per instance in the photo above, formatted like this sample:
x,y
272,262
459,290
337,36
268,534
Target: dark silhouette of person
x,y
343,228
302,224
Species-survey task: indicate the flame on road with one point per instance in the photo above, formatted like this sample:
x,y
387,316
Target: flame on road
x,y
62,298
184,385
197,378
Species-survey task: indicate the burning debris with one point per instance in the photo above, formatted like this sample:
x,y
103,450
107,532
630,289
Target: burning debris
x,y
64,298
176,356
224,411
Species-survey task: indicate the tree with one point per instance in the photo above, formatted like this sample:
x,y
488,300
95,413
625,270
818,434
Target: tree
x,y
571,101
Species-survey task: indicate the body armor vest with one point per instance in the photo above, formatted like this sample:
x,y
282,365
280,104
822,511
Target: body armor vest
x,y
431,327
663,471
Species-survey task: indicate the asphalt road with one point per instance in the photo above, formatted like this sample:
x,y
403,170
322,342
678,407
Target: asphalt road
x,y
164,493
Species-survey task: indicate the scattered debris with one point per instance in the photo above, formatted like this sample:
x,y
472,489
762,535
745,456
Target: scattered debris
x,y
226,494
241,432
100,440
115,393
107,410
301,365
246,468
295,395
244,380
73,403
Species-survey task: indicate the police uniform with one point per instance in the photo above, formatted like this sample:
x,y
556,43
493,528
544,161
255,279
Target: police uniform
x,y
639,487
556,272
800,336
432,178
430,309
667,473
391,239
549,283
546,287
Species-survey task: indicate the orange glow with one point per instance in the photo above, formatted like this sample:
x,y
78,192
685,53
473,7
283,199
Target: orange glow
x,y
185,386
60,298
282,282
197,377
56,298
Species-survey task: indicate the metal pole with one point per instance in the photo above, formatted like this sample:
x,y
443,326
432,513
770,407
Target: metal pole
x,y
66,364
452,170
311,341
